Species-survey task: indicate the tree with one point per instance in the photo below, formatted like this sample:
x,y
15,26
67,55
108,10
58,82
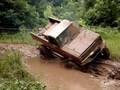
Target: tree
x,y
17,13
104,12
69,9
89,3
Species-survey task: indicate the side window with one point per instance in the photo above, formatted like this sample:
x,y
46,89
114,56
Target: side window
x,y
63,38
52,40
73,31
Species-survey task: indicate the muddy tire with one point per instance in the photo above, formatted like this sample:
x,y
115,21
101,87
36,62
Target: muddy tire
x,y
45,52
105,54
69,64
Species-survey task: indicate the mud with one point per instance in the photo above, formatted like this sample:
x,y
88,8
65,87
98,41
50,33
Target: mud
x,y
106,68
57,77
53,73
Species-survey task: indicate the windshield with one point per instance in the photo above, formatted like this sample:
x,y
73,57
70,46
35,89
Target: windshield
x,y
67,35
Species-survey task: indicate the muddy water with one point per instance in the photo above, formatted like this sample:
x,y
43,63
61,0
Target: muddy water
x,y
56,77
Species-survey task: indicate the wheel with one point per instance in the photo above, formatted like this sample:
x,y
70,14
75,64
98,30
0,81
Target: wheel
x,y
105,53
45,52
69,64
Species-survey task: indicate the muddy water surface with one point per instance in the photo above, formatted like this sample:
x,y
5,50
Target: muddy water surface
x,y
56,77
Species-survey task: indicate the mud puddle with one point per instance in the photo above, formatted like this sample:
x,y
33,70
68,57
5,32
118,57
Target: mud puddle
x,y
57,77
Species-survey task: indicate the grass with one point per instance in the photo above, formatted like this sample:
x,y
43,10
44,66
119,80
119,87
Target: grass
x,y
13,75
22,37
112,38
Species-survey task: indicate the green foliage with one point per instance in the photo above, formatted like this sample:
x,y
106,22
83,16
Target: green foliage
x,y
69,9
41,6
12,74
48,12
89,3
16,13
104,12
56,2
32,13
93,12
23,37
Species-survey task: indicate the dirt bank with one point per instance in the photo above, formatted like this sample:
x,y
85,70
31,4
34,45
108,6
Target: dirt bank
x,y
56,76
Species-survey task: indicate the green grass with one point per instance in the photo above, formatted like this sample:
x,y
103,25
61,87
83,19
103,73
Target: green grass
x,y
22,37
13,75
112,38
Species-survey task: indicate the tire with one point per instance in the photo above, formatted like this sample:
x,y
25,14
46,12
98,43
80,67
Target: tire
x,y
45,52
105,53
68,64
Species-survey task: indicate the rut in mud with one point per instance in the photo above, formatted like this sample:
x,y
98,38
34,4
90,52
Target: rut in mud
x,y
100,67
106,68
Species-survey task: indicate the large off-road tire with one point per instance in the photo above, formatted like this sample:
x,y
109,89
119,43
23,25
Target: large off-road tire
x,y
105,53
45,52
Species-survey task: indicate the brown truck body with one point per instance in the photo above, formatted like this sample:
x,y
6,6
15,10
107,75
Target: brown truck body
x,y
67,40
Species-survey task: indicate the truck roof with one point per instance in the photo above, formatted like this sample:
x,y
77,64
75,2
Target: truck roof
x,y
58,29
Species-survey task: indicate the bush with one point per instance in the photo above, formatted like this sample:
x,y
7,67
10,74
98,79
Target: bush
x,y
104,13
13,76
22,37
15,14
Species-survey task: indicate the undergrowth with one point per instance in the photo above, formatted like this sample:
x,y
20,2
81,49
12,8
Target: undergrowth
x,y
13,75
21,37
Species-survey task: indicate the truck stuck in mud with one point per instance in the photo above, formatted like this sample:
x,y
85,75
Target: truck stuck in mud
x,y
76,44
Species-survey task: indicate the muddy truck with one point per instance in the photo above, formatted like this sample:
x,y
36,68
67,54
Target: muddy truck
x,y
74,43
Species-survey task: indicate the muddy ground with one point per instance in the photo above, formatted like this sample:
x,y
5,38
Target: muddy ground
x,y
54,74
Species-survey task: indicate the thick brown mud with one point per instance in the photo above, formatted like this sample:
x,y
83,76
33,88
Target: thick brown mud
x,y
106,68
57,77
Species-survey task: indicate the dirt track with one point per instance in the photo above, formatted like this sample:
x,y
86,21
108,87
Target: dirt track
x,y
57,77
